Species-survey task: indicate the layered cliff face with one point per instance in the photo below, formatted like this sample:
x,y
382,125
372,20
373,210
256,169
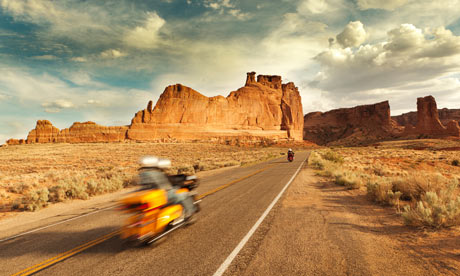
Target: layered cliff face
x,y
369,123
428,117
45,132
262,106
89,132
351,125
445,116
262,109
428,123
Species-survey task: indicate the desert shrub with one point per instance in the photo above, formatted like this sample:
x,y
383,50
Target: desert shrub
x,y
455,162
57,193
3,195
380,190
333,156
435,210
187,169
129,181
20,188
415,184
347,179
74,189
93,188
316,161
206,166
35,199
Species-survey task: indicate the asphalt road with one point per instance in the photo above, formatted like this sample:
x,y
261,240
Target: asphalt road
x,y
199,249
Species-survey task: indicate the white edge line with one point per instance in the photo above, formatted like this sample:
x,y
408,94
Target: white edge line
x,y
223,267
54,224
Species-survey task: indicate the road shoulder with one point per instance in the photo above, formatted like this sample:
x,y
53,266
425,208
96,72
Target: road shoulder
x,y
322,229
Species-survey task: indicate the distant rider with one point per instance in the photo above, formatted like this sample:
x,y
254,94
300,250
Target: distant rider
x,y
290,152
152,176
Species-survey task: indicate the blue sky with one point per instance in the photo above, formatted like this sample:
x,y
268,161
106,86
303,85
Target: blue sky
x,y
72,60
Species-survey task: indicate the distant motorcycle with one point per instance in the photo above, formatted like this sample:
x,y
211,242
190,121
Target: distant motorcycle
x,y
290,156
152,217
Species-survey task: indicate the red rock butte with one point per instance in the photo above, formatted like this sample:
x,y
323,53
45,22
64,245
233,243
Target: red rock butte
x,y
262,109
371,123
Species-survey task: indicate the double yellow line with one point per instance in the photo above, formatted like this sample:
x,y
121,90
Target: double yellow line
x,y
231,183
65,255
76,250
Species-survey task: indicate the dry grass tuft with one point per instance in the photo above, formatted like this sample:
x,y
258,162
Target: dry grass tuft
x,y
436,210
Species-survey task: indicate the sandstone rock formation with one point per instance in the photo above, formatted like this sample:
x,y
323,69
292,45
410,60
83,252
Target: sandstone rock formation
x,y
265,107
44,132
15,142
92,132
355,125
86,132
369,123
428,117
428,123
262,109
445,116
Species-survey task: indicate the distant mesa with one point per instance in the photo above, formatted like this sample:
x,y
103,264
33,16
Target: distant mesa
x,y
263,109
370,123
351,125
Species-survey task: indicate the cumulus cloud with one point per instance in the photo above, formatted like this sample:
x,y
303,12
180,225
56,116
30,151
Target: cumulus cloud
x,y
238,14
353,35
331,12
79,59
57,105
45,57
112,53
62,18
314,6
4,97
147,35
380,4
52,95
225,7
408,55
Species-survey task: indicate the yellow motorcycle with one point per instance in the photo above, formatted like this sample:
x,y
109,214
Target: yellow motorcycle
x,y
151,216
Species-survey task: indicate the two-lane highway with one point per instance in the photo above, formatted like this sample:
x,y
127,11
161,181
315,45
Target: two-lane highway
x,y
227,216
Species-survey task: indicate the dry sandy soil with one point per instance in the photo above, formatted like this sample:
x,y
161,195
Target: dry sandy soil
x,y
33,176
399,157
324,229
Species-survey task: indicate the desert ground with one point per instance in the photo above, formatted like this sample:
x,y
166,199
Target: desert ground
x,y
34,176
383,209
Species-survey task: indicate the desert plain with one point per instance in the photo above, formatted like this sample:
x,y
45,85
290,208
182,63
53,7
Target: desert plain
x,y
405,192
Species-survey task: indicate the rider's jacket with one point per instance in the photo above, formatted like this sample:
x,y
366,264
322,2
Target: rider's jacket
x,y
154,179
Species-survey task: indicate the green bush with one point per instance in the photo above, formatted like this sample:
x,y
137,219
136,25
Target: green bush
x,y
455,162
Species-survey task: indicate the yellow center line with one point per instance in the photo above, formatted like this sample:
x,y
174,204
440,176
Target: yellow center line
x,y
231,183
78,249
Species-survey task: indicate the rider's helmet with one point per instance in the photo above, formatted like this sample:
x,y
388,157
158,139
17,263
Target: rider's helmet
x,y
154,162
290,150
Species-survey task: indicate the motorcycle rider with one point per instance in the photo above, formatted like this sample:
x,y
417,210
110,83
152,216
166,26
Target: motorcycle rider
x,y
152,176
290,152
